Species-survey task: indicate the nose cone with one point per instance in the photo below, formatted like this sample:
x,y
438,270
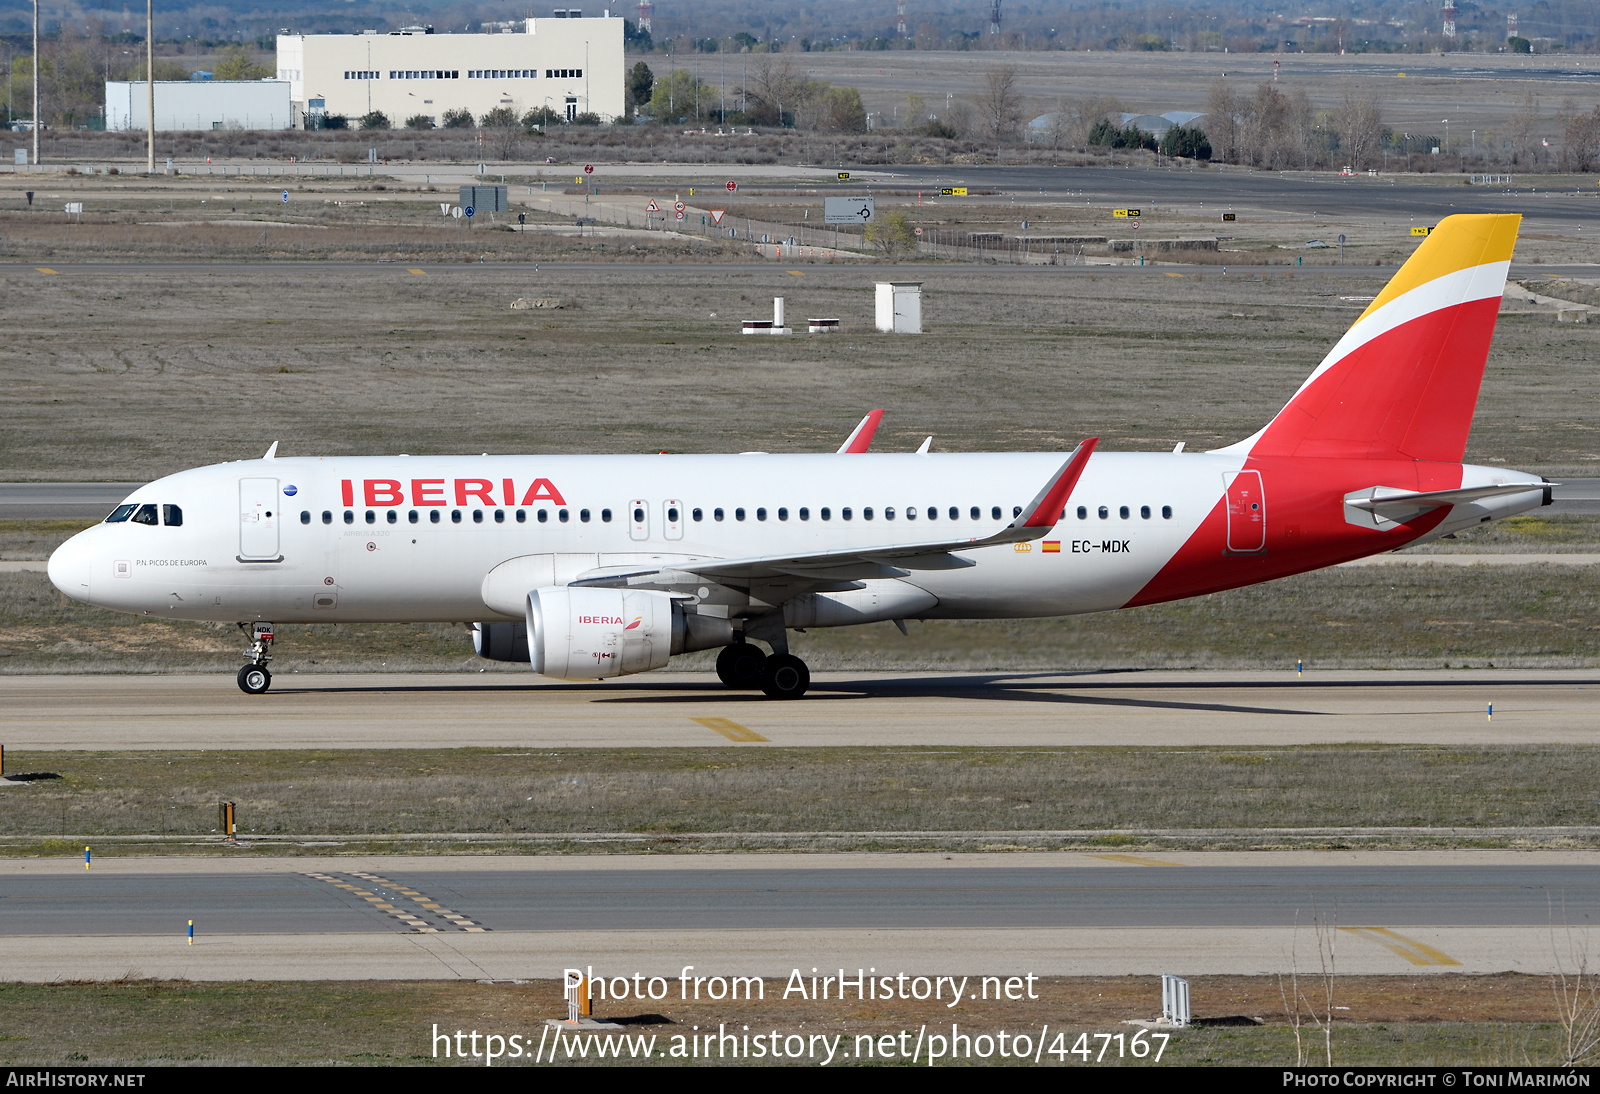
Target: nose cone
x,y
71,566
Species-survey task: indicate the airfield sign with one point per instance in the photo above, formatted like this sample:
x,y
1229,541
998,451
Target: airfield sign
x,y
848,210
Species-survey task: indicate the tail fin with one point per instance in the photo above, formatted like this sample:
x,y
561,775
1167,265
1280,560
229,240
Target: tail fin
x,y
1403,381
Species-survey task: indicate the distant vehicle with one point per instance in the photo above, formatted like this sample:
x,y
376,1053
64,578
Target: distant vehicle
x,y
26,126
594,566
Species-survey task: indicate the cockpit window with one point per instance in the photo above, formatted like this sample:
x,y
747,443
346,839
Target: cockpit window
x,y
171,516
146,514
121,513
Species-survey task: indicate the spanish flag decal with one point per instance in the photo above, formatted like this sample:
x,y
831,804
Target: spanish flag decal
x,y
1052,546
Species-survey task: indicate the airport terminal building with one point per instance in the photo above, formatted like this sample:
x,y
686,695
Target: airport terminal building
x,y
571,65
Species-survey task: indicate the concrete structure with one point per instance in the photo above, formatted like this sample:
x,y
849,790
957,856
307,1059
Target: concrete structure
x,y
572,66
209,104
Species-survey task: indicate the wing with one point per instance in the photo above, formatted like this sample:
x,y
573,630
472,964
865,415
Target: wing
x,y
882,560
861,439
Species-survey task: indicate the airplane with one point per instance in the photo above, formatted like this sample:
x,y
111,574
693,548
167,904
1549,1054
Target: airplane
x,y
598,566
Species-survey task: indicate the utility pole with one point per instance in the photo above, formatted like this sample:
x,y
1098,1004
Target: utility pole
x,y
150,81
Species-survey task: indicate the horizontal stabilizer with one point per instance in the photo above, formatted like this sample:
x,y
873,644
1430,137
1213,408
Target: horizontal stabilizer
x,y
1384,506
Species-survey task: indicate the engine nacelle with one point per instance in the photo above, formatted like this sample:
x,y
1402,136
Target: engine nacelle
x,y
501,641
589,634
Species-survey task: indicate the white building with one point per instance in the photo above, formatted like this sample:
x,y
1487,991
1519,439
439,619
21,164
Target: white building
x,y
573,66
199,104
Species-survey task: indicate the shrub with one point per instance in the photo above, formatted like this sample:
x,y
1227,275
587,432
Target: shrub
x,y
501,117
588,117
1184,140
542,116
376,119
420,121
457,119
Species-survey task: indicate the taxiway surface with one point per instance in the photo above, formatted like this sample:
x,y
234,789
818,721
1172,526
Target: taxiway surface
x,y
1051,914
518,709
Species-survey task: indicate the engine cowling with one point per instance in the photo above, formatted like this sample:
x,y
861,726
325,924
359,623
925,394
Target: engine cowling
x,y
501,641
589,634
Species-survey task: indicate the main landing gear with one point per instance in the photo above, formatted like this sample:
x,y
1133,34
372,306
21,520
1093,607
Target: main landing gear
x,y
254,679
744,667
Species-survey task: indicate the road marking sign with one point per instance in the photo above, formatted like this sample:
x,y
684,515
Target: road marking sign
x,y
1420,231
286,197
717,215
732,186
588,169
652,207
444,208
678,206
467,210
916,231
681,215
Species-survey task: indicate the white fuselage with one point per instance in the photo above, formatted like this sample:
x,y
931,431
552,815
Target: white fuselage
x,y
412,538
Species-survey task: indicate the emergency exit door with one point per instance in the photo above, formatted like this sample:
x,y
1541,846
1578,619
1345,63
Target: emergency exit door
x,y
1247,513
258,520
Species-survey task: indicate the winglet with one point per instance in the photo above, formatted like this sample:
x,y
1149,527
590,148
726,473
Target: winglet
x,y
861,439
272,453
1045,509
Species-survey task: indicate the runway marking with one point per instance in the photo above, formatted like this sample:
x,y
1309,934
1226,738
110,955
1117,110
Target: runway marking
x,y
44,269
419,273
1137,860
730,729
1174,275
1417,953
410,919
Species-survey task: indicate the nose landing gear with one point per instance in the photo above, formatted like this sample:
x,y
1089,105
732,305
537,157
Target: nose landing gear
x,y
254,677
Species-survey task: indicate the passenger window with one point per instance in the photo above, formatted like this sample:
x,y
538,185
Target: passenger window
x,y
994,513
888,512
716,514
638,514
911,512
394,516
455,516
120,514
761,514
146,514
477,516
698,514
805,514
522,516
305,516
499,516
433,516
976,514
327,516
1123,512
933,512
605,516
827,514
1083,512
372,517
583,515
1166,512
845,513
1104,512
1016,510
349,516
866,512
672,514
412,516
544,516
563,515
1144,512
783,514
738,514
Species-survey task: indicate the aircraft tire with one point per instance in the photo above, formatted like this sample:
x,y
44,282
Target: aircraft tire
x,y
784,676
254,679
739,666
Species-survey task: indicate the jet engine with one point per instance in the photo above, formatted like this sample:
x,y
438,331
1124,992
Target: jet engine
x,y
588,633
500,641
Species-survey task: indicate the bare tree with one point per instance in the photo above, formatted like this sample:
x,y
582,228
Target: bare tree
x,y
1523,126
1577,991
1580,138
1000,102
1222,122
1295,1001
1359,124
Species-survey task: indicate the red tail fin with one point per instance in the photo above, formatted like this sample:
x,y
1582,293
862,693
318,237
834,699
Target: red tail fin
x,y
1403,381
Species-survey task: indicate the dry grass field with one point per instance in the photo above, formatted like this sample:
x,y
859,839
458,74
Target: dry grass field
x,y
1478,1021
666,800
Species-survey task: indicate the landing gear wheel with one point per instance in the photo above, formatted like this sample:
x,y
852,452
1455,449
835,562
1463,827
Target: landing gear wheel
x,y
739,666
785,677
254,679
